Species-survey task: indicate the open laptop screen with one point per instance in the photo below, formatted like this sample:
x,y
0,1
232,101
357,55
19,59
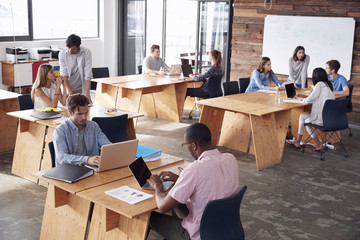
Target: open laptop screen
x,y
290,90
186,69
140,171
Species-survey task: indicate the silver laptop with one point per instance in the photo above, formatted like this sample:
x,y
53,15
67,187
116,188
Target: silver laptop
x,y
175,69
116,155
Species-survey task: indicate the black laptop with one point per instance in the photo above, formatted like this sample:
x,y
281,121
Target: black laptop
x,y
186,69
142,173
290,90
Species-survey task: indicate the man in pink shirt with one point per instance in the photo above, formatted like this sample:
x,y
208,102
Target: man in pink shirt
x,y
213,175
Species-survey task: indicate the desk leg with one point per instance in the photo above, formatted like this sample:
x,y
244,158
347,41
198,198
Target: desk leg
x,y
268,135
67,221
105,95
8,124
28,151
46,160
130,129
106,224
213,118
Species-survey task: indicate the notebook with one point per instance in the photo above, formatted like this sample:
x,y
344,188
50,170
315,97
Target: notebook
x,y
147,152
186,69
46,115
69,173
116,155
175,69
142,173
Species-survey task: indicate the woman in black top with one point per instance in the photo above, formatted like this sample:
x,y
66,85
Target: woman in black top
x,y
215,69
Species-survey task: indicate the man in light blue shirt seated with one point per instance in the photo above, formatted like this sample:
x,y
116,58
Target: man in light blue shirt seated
x,y
78,140
340,84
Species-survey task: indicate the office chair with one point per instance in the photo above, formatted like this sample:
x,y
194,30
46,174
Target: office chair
x,y
100,72
140,69
244,83
25,102
231,88
334,119
113,127
214,89
350,106
52,153
221,219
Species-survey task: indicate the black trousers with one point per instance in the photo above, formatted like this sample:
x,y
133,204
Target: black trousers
x,y
197,92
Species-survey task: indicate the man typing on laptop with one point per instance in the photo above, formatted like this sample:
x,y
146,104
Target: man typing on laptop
x,y
213,175
78,140
154,63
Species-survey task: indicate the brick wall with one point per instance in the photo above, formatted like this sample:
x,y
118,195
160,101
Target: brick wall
x,y
248,29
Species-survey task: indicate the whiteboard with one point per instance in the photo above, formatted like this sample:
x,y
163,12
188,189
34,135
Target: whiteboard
x,y
324,38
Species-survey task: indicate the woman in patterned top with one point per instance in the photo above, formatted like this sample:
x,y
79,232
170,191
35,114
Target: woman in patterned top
x,y
215,69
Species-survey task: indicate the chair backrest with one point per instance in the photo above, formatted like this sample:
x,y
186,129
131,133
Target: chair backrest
x,y
350,106
100,72
231,88
52,153
214,86
244,83
25,102
334,115
221,219
140,69
113,127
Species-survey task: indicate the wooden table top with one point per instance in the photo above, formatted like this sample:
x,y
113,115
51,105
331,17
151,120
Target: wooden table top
x,y
255,103
98,196
108,176
4,95
95,111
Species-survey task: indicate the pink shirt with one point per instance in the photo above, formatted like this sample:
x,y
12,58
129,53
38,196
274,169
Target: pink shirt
x,y
213,176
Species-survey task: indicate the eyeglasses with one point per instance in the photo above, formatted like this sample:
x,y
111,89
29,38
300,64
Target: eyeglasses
x,y
183,144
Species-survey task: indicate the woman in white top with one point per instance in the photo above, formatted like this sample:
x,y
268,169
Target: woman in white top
x,y
322,91
46,91
298,66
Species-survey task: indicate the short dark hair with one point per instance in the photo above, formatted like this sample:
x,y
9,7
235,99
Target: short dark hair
x,y
73,40
198,133
153,47
334,64
77,100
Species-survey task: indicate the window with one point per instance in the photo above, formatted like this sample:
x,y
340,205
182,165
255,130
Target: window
x,y
49,19
14,19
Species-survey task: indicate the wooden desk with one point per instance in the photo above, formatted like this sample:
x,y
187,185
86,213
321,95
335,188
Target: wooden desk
x,y
115,219
249,116
159,96
66,213
31,152
8,103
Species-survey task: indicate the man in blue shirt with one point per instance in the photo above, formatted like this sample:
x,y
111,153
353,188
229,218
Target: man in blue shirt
x,y
78,140
340,84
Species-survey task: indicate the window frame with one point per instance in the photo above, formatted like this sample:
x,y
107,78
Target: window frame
x,y
30,36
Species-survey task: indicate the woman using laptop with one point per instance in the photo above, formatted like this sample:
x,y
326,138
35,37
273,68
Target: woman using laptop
x,y
46,91
215,69
262,76
298,66
322,91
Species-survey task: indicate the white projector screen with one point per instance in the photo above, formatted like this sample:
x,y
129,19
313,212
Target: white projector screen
x,y
324,38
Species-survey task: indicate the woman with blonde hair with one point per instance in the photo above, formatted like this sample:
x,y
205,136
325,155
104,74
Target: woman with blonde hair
x,y
46,91
215,69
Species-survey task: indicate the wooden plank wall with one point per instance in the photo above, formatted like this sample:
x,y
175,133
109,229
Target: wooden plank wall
x,y
248,28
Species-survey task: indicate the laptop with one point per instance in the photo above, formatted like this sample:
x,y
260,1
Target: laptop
x,y
186,69
175,69
290,90
142,173
116,155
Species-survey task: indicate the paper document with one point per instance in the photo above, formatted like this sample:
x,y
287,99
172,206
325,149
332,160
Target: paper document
x,y
114,112
59,120
294,100
128,194
48,109
267,91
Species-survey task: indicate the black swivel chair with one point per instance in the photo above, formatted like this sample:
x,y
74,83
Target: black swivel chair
x,y
140,69
100,72
25,102
334,119
221,219
231,88
244,83
52,153
350,106
113,127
